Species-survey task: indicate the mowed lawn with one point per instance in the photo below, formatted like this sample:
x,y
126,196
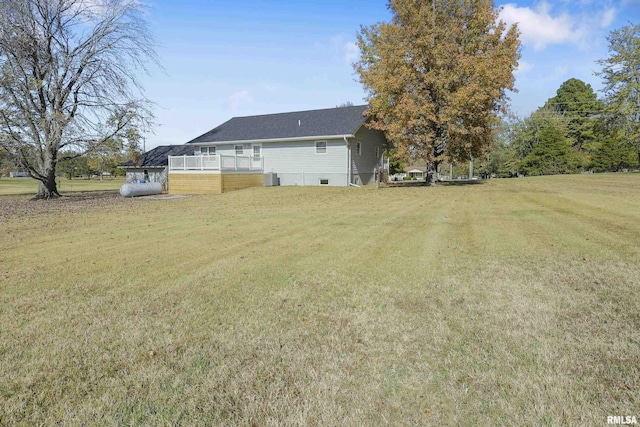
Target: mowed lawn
x,y
513,302
12,186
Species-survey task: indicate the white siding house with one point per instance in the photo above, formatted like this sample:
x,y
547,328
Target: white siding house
x,y
329,147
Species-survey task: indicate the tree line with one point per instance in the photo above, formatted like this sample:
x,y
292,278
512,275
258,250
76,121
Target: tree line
x,y
99,160
576,131
437,78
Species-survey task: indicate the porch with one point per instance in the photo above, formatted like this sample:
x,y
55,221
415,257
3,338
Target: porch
x,y
213,174
216,162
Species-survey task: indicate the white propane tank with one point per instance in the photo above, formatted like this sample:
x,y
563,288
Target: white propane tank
x,y
141,189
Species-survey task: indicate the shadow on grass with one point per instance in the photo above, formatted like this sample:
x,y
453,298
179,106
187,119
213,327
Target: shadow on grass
x,y
462,182
400,184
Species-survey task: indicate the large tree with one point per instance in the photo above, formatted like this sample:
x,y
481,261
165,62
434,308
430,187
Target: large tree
x,y
69,78
621,74
436,76
579,104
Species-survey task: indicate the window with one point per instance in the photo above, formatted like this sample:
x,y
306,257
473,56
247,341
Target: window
x,y
207,151
377,152
321,147
257,151
239,150
359,148
324,181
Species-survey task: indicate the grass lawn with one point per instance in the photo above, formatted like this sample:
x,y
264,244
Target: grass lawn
x,y
13,186
513,302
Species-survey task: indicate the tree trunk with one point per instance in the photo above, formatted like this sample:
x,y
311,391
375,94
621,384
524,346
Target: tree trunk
x,y
48,188
429,178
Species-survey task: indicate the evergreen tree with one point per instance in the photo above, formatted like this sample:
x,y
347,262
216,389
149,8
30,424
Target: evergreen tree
x,y
613,155
578,103
551,155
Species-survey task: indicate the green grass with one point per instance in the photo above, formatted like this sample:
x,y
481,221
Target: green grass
x,y
514,302
15,186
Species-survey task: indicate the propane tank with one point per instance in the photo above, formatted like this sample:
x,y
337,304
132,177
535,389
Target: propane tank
x,y
141,189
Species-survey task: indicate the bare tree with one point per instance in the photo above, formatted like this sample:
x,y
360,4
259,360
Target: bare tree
x,y
69,78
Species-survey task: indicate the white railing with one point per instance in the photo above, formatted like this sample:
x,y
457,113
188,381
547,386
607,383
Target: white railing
x,y
215,162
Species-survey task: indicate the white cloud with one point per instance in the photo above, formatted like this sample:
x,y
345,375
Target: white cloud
x,y
338,48
523,67
239,98
351,52
607,17
539,28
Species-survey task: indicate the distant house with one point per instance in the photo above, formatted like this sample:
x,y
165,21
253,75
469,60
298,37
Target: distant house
x,y
328,147
152,165
415,171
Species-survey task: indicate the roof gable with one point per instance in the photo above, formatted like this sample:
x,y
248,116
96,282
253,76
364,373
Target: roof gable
x,y
337,122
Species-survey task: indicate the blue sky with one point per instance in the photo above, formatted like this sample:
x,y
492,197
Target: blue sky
x,y
235,58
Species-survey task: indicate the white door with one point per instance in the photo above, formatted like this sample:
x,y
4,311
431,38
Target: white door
x,y
256,156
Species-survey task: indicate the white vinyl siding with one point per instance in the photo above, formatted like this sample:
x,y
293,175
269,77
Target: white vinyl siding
x,y
371,142
297,163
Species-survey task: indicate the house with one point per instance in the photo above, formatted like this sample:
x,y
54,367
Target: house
x,y
152,165
327,147
415,171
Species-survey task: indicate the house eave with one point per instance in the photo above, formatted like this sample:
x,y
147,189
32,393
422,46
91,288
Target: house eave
x,y
262,141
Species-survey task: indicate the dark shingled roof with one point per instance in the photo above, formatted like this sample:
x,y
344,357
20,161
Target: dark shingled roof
x,y
158,157
327,122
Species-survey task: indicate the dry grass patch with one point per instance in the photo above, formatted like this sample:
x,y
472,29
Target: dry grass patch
x,y
511,300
